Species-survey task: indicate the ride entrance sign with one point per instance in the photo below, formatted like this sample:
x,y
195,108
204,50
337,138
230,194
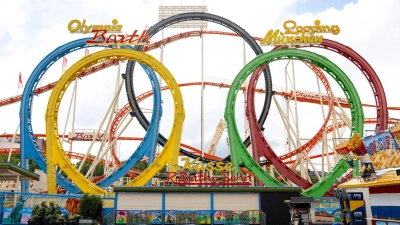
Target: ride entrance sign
x,y
196,172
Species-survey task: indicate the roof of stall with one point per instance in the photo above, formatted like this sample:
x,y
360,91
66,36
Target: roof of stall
x,y
206,189
388,178
10,171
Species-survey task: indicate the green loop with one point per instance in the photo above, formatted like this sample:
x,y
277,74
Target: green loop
x,y
239,152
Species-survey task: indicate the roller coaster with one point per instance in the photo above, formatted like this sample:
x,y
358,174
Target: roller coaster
x,y
54,154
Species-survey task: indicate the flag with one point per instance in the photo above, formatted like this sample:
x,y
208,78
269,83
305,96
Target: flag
x,y
87,52
20,85
64,65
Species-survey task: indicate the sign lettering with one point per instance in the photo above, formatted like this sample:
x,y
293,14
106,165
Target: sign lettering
x,y
197,165
102,34
294,34
204,178
85,136
76,26
316,96
100,38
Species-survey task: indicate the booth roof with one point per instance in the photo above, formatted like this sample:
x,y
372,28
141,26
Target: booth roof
x,y
388,178
206,189
10,171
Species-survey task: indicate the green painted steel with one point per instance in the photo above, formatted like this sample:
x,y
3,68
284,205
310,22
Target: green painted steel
x,y
239,152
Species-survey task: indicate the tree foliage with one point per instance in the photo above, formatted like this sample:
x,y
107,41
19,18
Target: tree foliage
x,y
90,207
15,160
98,171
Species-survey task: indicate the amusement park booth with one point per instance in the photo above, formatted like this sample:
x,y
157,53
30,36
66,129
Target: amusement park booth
x,y
381,196
202,205
11,174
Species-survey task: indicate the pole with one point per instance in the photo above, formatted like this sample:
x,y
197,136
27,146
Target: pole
x,y
160,79
202,94
12,143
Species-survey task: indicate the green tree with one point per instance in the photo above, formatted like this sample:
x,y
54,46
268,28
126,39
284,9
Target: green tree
x,y
141,166
15,160
98,171
314,179
33,165
90,207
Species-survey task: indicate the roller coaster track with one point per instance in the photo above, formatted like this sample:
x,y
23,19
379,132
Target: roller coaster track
x,y
239,153
367,70
80,156
374,82
149,143
361,63
29,146
260,144
48,87
53,142
203,17
174,38
193,33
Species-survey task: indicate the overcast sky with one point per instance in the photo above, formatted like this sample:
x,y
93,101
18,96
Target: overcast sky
x,y
29,30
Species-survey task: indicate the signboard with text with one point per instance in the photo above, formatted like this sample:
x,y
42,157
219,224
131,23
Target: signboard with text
x,y
105,34
298,34
196,172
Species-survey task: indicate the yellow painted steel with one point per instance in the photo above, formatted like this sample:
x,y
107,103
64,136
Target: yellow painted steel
x,y
55,152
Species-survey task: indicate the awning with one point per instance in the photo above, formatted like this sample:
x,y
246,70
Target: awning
x,y
10,172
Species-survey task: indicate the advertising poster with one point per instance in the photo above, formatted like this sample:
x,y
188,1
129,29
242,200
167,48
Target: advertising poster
x,y
380,223
379,141
203,217
141,216
170,217
193,217
11,216
156,216
186,217
254,217
219,217
357,212
383,150
232,216
327,214
120,217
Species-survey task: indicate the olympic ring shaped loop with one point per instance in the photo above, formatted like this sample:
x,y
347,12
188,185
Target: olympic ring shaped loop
x,y
238,151
56,155
203,17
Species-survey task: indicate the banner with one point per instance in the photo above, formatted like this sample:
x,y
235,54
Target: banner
x,y
379,141
121,217
170,217
219,217
141,216
193,217
383,150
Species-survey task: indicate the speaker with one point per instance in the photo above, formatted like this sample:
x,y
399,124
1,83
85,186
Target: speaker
x,y
398,172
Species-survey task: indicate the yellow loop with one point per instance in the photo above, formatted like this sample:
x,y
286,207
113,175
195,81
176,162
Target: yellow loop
x,y
55,151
